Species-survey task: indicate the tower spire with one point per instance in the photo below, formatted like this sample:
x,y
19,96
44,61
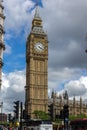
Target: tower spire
x,y
37,27
36,2
37,16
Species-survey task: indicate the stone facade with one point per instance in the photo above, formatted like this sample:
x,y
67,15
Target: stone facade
x,y
36,89
2,46
76,107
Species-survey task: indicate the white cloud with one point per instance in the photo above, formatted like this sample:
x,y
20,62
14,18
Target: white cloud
x,y
13,84
14,80
7,49
65,22
58,77
17,14
12,89
77,87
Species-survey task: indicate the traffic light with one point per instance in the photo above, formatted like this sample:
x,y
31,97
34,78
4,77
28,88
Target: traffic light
x,y
16,110
50,111
66,111
9,117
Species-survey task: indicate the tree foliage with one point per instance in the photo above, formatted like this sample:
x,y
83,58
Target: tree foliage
x,y
41,115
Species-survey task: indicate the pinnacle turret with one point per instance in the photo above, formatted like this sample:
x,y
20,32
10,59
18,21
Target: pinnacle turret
x,y
37,27
37,16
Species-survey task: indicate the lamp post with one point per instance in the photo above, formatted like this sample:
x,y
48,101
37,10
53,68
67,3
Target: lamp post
x,y
66,110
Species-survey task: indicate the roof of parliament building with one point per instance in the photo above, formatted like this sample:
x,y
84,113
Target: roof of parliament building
x,y
60,99
76,107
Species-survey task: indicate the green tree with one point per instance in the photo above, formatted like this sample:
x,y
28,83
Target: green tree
x,y
41,115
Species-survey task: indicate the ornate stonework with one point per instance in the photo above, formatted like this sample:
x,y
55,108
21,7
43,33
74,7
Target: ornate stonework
x,y
2,46
76,107
36,68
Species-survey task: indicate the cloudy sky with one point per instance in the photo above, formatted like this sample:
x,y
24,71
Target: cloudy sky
x,y
65,22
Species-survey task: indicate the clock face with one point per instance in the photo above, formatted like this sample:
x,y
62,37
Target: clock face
x,y
39,47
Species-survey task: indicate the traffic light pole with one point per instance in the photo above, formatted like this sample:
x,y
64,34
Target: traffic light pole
x,y
64,124
21,116
16,110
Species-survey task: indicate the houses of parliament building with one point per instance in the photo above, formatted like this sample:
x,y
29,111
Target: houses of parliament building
x,y
76,107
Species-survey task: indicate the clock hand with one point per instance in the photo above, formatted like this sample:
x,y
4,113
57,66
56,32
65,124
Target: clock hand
x,y
40,47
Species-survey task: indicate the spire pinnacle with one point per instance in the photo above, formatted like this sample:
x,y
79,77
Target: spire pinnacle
x,y
36,16
36,2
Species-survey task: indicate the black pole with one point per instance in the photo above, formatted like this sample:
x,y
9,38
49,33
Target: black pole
x,y
21,116
64,124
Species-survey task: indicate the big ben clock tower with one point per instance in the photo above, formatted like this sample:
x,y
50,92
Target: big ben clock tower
x,y
36,89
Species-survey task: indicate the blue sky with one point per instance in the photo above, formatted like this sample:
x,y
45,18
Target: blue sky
x,y
65,23
15,60
17,42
